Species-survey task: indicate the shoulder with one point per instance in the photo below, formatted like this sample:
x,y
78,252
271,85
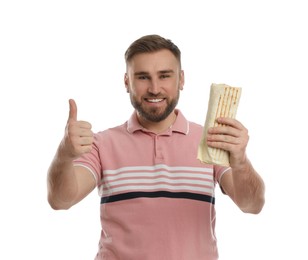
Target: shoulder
x,y
119,129
186,126
195,128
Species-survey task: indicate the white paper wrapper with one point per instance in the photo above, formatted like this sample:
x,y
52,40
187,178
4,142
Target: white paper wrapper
x,y
223,102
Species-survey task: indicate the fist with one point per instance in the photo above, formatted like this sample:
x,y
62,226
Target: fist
x,y
78,138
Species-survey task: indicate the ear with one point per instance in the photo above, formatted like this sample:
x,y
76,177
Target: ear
x,y
182,80
126,80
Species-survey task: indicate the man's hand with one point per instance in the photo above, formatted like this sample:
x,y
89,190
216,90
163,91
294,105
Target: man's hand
x,y
230,136
78,136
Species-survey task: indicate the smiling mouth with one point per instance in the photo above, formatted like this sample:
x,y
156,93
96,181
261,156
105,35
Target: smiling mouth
x,y
154,100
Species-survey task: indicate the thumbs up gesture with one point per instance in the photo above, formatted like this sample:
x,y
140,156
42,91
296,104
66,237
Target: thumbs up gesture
x,y
78,136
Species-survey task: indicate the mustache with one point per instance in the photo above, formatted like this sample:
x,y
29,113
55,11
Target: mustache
x,y
159,95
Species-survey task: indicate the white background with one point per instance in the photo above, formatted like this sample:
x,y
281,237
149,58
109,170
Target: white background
x,y
51,51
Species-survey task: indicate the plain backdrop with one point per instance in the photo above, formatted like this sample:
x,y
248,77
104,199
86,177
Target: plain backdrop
x,y
51,51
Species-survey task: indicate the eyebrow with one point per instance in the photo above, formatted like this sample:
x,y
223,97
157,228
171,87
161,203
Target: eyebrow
x,y
166,71
139,73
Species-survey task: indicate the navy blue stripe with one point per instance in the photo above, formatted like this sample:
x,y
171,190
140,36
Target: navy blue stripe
x,y
158,194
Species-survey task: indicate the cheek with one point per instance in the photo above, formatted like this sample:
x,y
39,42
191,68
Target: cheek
x,y
134,94
138,90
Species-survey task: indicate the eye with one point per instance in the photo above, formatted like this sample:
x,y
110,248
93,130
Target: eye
x,y
163,76
143,77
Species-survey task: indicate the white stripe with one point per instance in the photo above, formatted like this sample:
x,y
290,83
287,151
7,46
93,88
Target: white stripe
x,y
186,176
167,174
187,128
88,168
160,186
154,181
159,166
229,168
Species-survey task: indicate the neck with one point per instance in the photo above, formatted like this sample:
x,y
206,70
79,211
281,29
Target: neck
x,y
157,127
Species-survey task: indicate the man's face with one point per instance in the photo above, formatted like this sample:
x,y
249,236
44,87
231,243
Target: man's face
x,y
154,81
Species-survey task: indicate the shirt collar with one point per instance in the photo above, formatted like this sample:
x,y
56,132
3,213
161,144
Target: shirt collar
x,y
181,125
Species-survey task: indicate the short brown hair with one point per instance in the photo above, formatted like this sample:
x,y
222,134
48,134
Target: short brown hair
x,y
151,43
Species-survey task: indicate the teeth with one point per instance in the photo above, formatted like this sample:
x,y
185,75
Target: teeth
x,y
155,100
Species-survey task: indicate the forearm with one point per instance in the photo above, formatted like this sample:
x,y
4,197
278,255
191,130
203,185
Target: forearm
x,y
65,186
61,182
249,188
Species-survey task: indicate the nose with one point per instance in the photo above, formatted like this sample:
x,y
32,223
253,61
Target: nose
x,y
154,87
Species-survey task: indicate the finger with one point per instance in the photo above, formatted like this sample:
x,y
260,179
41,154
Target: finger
x,y
224,130
223,138
85,132
230,121
86,149
73,110
82,149
84,124
86,141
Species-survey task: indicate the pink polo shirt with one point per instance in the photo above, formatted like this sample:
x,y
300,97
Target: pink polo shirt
x,y
157,198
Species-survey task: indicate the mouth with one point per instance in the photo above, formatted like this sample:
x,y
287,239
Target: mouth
x,y
154,100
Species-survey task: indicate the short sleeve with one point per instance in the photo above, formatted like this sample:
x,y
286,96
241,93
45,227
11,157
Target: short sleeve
x,y
91,161
219,171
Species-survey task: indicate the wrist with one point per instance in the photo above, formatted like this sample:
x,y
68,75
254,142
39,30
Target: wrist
x,y
241,165
64,153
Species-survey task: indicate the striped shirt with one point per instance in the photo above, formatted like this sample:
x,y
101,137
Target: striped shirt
x,y
157,198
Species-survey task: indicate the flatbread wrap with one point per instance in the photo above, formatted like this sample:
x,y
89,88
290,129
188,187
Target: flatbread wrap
x,y
223,102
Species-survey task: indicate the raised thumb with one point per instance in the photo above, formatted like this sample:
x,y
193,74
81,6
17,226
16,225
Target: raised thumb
x,y
73,110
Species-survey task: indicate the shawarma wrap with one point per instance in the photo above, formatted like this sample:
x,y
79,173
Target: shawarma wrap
x,y
223,102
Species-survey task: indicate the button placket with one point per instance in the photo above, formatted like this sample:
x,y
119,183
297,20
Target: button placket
x,y
158,149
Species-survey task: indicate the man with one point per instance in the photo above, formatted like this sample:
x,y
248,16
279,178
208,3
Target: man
x,y
157,198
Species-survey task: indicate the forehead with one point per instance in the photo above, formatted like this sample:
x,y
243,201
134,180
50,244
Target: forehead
x,y
153,61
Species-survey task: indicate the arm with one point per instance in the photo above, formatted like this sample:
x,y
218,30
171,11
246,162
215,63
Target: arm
x,y
66,184
242,183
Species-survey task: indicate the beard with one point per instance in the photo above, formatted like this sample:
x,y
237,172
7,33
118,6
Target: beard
x,y
155,114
